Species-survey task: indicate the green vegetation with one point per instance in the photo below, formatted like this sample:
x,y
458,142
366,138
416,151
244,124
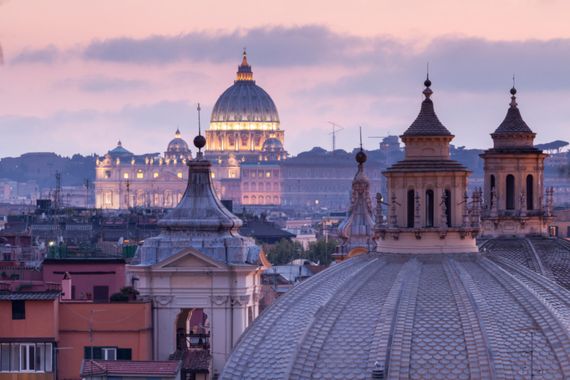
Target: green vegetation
x,y
285,251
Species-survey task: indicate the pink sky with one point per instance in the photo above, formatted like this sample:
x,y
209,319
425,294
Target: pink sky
x,y
78,75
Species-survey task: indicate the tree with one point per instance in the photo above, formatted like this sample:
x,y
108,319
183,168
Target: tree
x,y
321,251
284,252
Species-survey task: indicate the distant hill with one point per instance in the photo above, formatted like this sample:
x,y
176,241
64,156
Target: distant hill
x,y
42,167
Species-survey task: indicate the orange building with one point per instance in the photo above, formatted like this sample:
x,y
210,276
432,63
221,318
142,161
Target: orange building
x,y
41,335
29,330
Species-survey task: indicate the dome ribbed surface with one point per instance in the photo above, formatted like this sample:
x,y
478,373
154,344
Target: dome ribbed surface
x,y
177,145
457,316
427,123
245,101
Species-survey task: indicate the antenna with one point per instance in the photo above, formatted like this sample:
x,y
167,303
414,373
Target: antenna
x,y
427,70
360,128
335,128
514,81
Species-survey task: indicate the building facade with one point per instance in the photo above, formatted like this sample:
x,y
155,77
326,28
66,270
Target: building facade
x,y
125,180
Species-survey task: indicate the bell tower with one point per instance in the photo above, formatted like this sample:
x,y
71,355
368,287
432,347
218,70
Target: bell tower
x,y
428,206
515,201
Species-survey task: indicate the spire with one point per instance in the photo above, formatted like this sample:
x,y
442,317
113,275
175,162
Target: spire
x,y
513,122
427,123
199,141
357,230
244,72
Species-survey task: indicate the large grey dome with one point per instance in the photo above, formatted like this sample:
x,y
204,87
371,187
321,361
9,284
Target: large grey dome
x,y
244,101
421,316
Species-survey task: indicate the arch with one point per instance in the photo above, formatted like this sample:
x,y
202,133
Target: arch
x,y
448,210
429,208
529,192
411,206
510,186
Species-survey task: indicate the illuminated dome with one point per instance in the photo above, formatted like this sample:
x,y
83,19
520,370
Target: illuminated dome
x,y
245,102
177,144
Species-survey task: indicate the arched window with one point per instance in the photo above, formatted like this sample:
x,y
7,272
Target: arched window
x,y
448,207
429,208
510,204
411,208
529,192
491,187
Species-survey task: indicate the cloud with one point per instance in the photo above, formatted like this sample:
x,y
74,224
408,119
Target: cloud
x,y
46,55
274,46
98,84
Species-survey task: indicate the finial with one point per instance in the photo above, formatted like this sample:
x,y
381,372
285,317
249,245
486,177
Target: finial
x,y
427,82
361,156
199,141
427,92
513,93
119,143
177,133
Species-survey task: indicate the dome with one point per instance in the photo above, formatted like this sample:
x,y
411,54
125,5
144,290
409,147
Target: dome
x,y
272,145
244,101
120,151
411,316
177,144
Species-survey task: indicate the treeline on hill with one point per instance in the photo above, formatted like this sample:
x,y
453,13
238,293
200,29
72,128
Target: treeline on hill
x,y
285,251
42,168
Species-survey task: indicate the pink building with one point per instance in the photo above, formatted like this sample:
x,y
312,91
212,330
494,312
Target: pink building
x,y
91,278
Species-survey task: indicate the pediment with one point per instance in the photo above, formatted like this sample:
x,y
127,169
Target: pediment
x,y
188,259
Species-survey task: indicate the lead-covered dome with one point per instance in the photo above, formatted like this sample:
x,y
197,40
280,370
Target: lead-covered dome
x,y
411,316
244,101
272,145
177,144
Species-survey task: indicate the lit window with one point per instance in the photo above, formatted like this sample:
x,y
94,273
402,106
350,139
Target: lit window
x,y
268,174
155,175
213,175
179,174
126,175
107,174
140,174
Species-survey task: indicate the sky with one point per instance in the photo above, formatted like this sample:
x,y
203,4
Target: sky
x,y
76,76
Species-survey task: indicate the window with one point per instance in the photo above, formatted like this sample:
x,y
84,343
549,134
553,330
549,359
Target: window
x,y
429,208
18,309
411,206
179,174
126,175
529,192
100,293
510,201
448,207
491,187
107,353
140,174
107,174
26,357
155,175
108,198
268,174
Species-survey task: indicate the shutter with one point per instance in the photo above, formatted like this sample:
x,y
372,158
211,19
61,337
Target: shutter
x,y
124,354
97,353
87,352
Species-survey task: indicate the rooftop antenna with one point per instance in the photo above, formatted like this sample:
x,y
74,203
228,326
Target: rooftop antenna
x,y
335,128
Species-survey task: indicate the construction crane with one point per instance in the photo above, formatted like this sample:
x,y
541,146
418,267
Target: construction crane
x,y
335,128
